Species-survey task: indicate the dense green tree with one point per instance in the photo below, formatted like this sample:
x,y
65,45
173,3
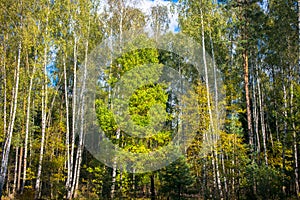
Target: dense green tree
x,y
176,178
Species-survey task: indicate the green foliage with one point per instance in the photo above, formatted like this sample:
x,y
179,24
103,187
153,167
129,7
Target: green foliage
x,y
143,100
95,178
176,178
105,117
47,31
267,180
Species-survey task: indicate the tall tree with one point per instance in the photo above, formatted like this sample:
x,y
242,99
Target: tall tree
x,y
45,25
13,110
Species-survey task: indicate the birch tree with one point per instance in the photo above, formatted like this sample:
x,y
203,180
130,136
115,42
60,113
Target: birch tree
x,y
13,109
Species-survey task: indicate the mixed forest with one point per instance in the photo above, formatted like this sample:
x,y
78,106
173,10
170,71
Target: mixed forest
x,y
253,44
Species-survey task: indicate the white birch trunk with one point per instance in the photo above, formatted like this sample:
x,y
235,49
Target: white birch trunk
x,y
262,120
4,109
211,126
285,132
7,145
20,169
27,127
76,176
114,172
73,135
67,124
44,118
255,118
15,171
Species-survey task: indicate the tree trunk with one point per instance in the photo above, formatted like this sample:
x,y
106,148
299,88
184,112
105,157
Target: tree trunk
x,y
74,99
285,134
212,128
214,172
295,148
256,122
152,187
6,149
16,171
247,95
118,132
67,125
44,118
20,169
82,122
4,107
44,107
27,126
114,171
262,121
225,179
246,81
